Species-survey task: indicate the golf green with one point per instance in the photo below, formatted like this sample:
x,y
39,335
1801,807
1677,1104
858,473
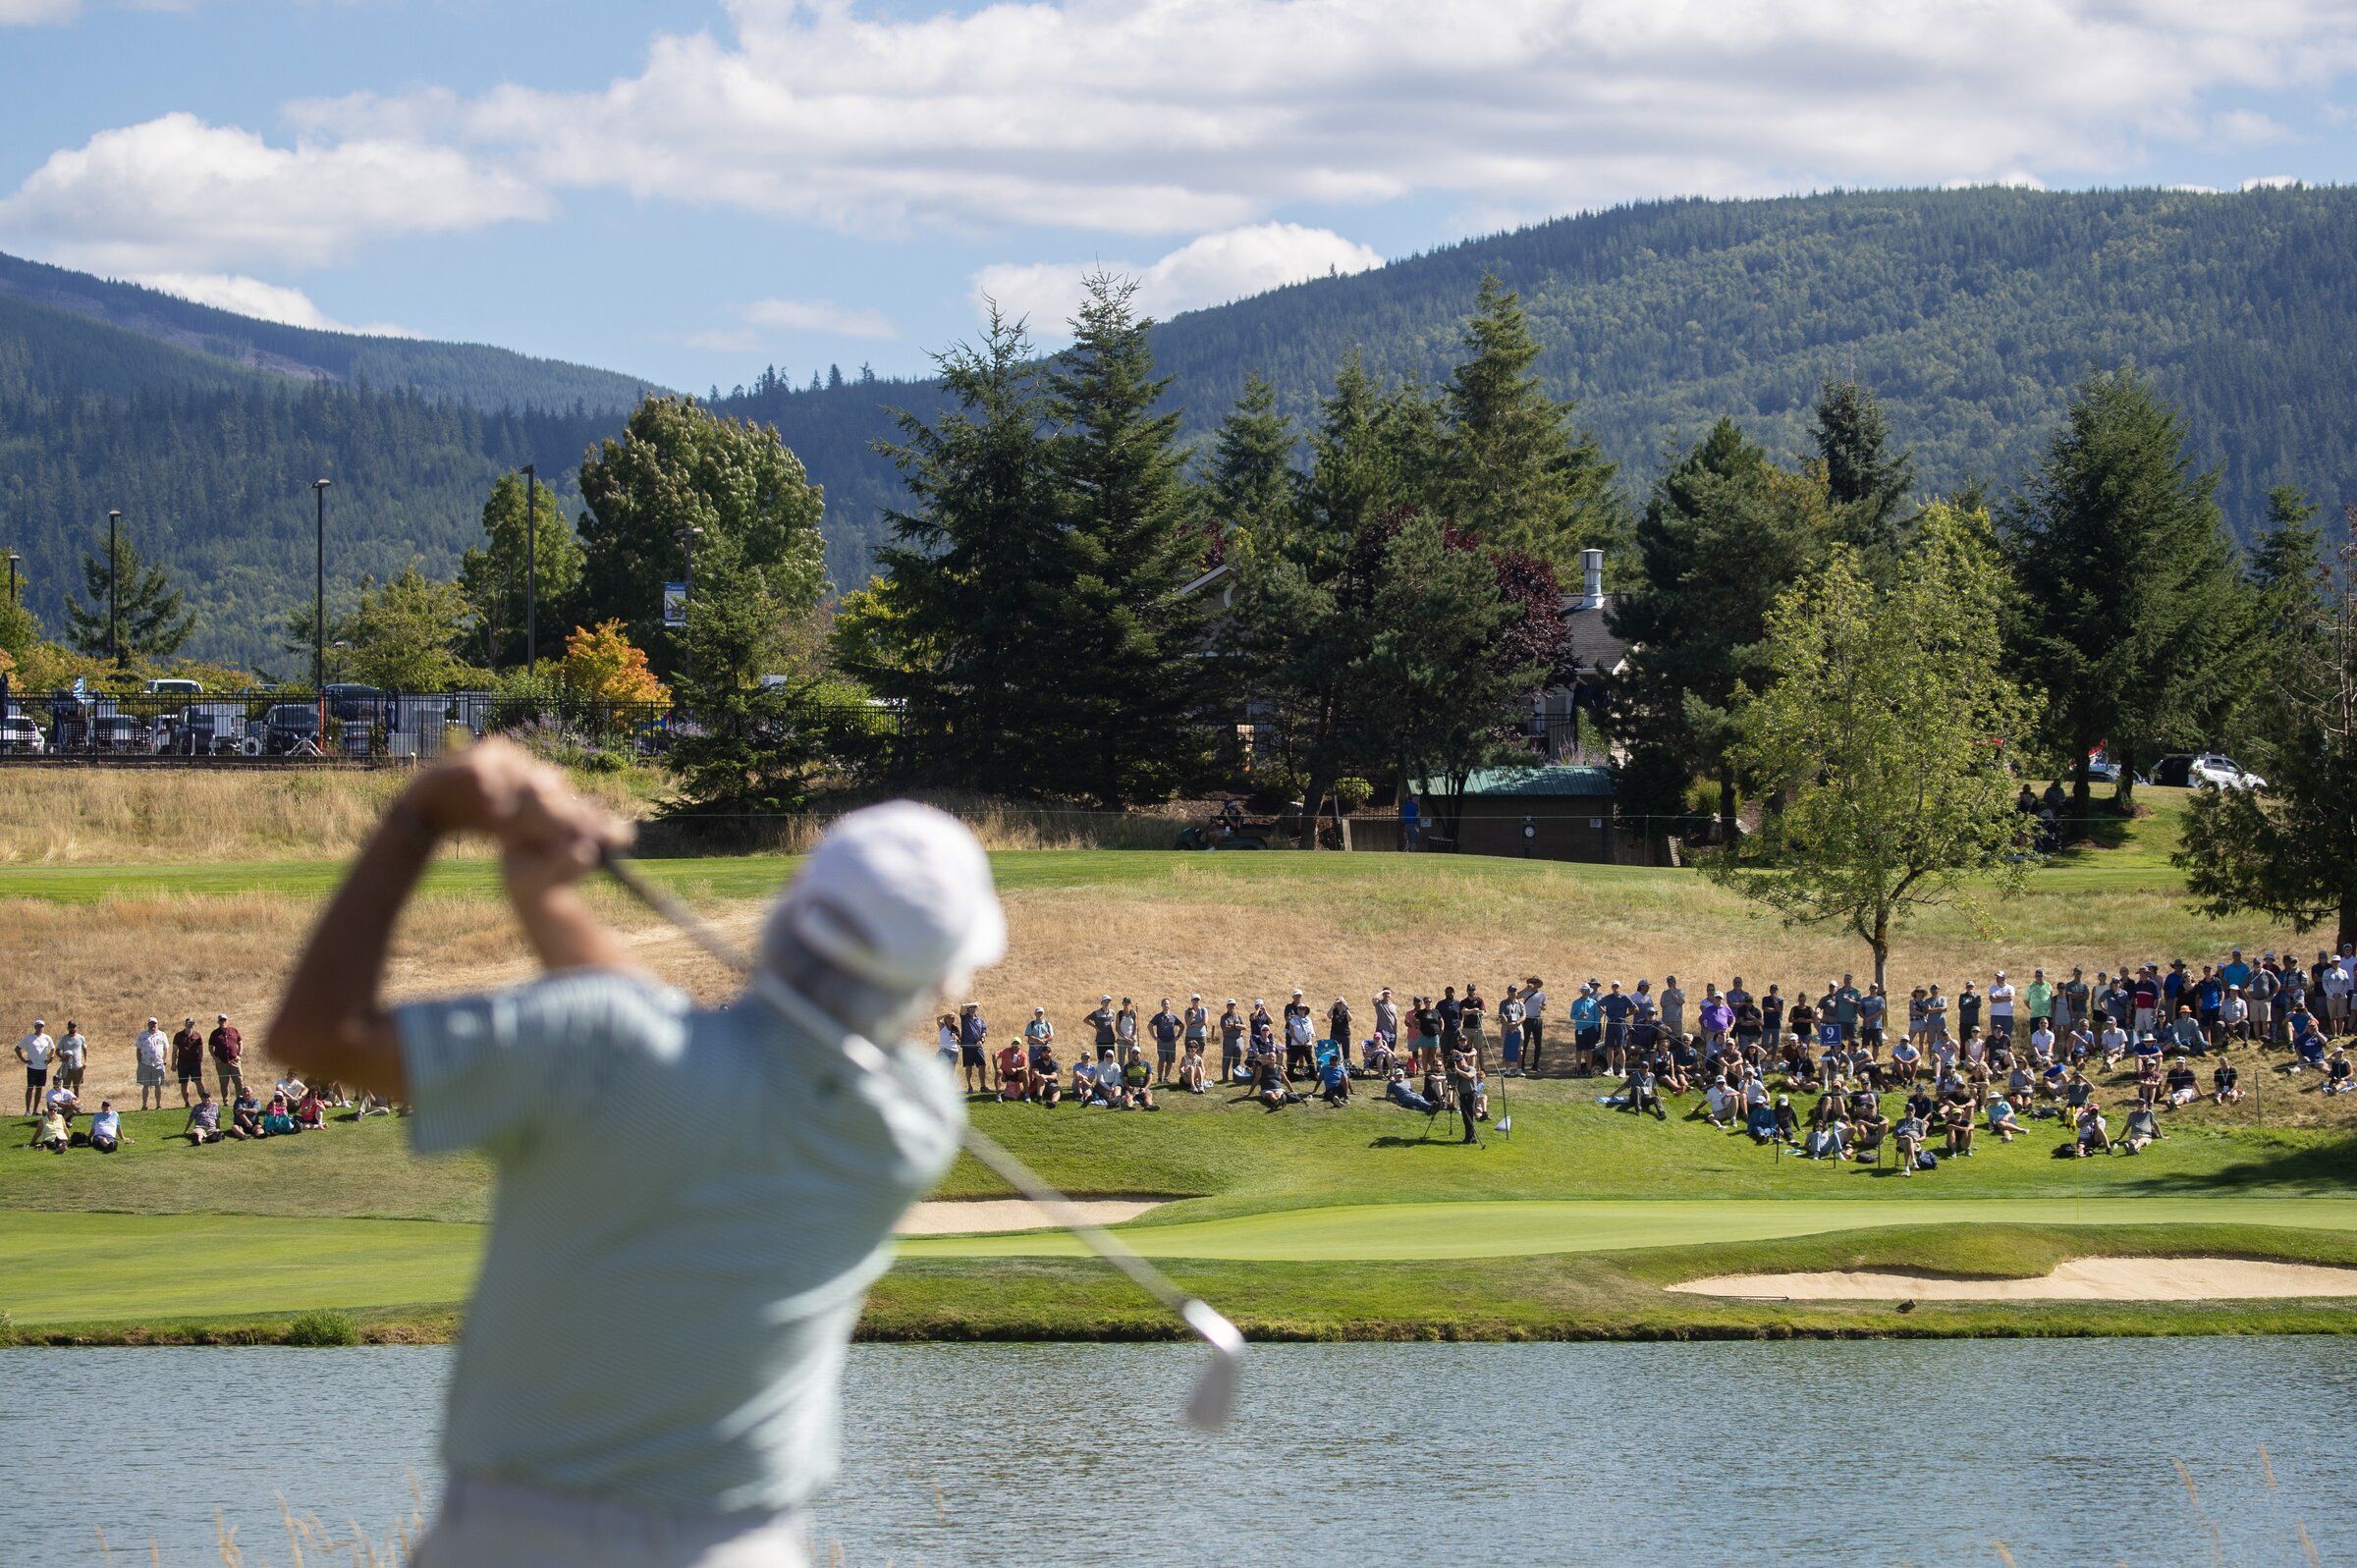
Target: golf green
x,y
114,1267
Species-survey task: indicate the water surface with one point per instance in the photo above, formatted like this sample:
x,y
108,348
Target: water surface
x,y
1801,1453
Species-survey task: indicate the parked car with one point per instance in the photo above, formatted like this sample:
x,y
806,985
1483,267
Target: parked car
x,y
284,729
349,700
2102,770
22,735
119,732
175,686
2203,770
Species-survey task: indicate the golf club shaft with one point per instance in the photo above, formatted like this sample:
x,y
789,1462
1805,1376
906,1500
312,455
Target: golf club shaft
x,y
1200,1317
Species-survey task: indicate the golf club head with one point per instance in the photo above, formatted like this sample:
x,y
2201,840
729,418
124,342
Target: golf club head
x,y
1215,1391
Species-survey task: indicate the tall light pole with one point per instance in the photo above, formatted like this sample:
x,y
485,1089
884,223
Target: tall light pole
x,y
13,558
319,611
531,576
114,587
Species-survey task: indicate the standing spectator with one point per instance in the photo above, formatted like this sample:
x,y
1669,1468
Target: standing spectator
x,y
1470,1015
1873,1008
1411,822
1452,1013
1587,1029
1301,1061
1101,1021
1616,1009
2071,1000
1672,1002
1849,1003
36,1051
1534,1021
1231,1042
1968,1011
1199,1026
147,1057
1166,1027
2000,1010
2337,981
228,1049
1427,1018
973,1047
1464,1083
1124,1028
2040,997
187,1058
2259,992
1510,1013
1337,1029
73,1057
1387,1018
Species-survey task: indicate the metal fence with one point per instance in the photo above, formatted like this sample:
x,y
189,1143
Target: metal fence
x,y
265,725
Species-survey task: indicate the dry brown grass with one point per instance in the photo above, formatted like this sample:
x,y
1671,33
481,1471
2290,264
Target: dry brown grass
x,y
104,816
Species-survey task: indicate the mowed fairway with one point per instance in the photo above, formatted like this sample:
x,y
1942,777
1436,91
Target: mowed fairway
x,y
1312,1221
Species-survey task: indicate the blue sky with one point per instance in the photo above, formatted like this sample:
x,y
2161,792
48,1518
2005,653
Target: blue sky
x,y
688,191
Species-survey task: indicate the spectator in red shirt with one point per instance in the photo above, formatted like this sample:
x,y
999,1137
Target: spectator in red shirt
x,y
227,1046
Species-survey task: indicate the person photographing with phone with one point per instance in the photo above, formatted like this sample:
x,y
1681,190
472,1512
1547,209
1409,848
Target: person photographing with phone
x,y
651,1365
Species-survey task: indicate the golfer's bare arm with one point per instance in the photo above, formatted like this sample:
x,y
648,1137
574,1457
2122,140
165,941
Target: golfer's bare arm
x,y
332,1022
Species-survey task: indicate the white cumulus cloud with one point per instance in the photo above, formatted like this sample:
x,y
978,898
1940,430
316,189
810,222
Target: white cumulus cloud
x,y
175,193
762,321
2271,182
264,301
37,12
1206,271
1175,117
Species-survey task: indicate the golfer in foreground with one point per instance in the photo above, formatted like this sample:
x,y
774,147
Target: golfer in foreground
x,y
689,1203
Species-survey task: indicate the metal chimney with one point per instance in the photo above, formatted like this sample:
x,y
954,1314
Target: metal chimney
x,y
1591,570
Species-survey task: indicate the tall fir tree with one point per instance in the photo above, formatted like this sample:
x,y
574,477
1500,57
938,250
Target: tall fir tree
x,y
677,466
962,630
1126,721
1251,477
1723,537
495,580
1518,473
153,615
2129,604
1866,478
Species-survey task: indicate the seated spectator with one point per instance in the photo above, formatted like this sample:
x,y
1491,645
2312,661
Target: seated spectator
x,y
1400,1092
277,1120
1334,1081
1084,1080
311,1110
1137,1082
2183,1086
204,1120
1190,1066
1269,1085
2094,1132
106,1128
1787,1121
1642,1095
2142,1128
1759,1123
2226,1084
2308,1050
1376,1053
1909,1137
2339,1079
50,1132
1956,1121
2148,1081
1720,1104
1904,1059
1830,1141
2001,1120
1014,1072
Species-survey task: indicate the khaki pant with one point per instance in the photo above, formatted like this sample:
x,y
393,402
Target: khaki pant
x,y
492,1524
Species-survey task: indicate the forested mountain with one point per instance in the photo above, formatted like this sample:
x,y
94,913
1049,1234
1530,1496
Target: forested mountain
x,y
475,374
1970,312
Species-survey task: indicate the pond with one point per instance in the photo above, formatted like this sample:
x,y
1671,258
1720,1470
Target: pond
x,y
1805,1452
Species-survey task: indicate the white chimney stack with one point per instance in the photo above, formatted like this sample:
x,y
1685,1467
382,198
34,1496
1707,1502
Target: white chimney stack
x,y
1591,570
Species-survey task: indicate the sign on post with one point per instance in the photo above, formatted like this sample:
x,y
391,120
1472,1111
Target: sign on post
x,y
674,606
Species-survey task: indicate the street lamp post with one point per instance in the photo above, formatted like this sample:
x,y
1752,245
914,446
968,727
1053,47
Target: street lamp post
x,y
13,558
531,574
689,536
114,587
320,609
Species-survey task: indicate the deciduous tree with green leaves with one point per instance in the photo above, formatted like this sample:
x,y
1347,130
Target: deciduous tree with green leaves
x,y
493,574
2291,852
401,635
1878,738
677,466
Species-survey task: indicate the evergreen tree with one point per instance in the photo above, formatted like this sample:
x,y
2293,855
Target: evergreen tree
x,y
1252,478
2291,852
680,467
962,628
754,749
493,574
2128,597
1723,537
153,618
1517,472
1865,478
1127,702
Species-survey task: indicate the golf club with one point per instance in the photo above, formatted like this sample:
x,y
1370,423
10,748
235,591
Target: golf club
x,y
1208,1406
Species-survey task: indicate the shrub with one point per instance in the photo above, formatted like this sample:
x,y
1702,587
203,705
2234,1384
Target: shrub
x,y
1353,793
321,1329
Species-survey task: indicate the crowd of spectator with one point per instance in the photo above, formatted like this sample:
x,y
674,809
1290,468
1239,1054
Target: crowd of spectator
x,y
57,1069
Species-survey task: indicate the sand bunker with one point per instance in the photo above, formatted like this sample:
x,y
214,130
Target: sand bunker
x,y
2080,1279
967,1219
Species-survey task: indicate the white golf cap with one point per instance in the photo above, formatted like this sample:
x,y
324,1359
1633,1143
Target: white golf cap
x,y
898,895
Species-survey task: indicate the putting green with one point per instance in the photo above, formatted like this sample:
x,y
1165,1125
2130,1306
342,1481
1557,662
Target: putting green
x,y
1397,1232
111,1268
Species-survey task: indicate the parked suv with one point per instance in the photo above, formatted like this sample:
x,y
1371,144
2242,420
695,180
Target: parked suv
x,y
2205,770
287,727
23,736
